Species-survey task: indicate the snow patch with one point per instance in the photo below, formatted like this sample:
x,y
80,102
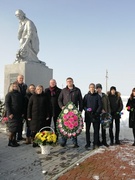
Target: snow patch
x,y
96,177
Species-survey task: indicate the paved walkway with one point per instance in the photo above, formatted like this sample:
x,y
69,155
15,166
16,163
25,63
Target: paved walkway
x,y
113,163
27,163
21,163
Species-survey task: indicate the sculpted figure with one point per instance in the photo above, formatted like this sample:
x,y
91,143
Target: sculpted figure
x,y
28,38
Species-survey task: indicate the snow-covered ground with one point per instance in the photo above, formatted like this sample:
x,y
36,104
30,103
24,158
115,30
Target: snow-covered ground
x,y
125,131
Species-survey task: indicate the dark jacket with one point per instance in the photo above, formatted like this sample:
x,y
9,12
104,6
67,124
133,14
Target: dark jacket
x,y
74,95
53,98
14,104
116,104
94,102
26,101
22,87
131,103
105,103
38,110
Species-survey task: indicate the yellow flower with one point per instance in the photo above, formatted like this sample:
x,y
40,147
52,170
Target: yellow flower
x,y
49,138
54,138
37,135
42,139
45,137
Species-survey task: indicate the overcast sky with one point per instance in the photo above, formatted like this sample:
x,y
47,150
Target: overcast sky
x,y
78,38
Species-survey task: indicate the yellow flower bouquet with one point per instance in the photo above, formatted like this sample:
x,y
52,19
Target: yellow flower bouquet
x,y
45,138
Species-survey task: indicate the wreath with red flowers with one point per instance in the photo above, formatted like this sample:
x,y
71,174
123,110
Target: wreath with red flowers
x,y
70,121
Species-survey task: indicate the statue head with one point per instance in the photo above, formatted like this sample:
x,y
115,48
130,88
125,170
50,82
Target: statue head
x,y
20,14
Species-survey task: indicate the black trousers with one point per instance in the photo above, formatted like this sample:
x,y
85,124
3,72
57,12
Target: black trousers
x,y
20,129
103,132
117,130
96,126
54,121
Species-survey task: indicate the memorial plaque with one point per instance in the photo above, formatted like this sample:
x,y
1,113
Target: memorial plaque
x,y
13,77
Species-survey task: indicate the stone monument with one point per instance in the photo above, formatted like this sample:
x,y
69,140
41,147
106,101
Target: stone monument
x,y
26,61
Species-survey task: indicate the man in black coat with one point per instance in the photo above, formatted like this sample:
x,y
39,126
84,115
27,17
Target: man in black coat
x,y
73,94
23,88
92,106
29,92
53,92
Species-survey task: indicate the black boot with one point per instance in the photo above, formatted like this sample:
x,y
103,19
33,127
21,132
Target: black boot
x,y
105,143
11,143
15,143
112,142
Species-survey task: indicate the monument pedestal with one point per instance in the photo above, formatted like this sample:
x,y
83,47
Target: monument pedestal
x,y
34,73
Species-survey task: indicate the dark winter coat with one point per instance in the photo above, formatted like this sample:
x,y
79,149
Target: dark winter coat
x,y
26,101
74,95
38,110
53,98
131,103
94,102
14,105
116,104
105,103
22,87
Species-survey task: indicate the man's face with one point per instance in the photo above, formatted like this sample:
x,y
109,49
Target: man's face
x,y
92,88
20,79
52,83
69,82
32,89
99,90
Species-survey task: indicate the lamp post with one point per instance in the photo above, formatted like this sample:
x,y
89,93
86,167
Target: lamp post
x,y
106,80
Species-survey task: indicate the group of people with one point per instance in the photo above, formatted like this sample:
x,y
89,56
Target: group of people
x,y
39,106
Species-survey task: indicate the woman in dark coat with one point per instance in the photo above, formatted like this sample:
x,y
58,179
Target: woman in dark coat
x,y
116,106
14,109
29,92
131,108
38,111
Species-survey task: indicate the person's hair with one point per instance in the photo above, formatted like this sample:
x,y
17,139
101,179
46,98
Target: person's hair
x,y
69,78
20,75
52,80
92,84
131,95
11,87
